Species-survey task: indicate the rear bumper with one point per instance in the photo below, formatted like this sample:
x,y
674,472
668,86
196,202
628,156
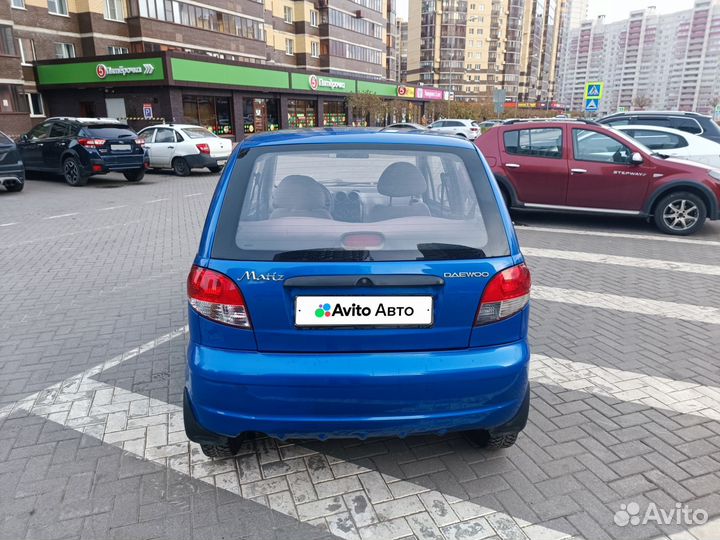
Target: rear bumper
x,y
198,161
12,174
129,163
355,395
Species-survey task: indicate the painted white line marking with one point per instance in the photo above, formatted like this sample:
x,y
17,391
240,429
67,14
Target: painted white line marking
x,y
633,262
156,200
194,194
112,207
8,224
62,215
583,232
628,304
84,231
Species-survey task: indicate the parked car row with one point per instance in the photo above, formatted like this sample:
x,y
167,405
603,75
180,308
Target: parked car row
x,y
78,148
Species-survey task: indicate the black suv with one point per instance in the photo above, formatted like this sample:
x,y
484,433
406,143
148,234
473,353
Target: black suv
x,y
78,148
692,122
12,174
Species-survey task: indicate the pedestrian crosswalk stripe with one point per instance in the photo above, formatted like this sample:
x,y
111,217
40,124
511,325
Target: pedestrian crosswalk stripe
x,y
634,262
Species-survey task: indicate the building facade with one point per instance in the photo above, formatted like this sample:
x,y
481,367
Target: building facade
x,y
649,60
472,47
402,48
345,38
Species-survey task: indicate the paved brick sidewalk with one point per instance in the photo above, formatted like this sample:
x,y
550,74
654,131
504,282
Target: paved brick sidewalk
x,y
626,394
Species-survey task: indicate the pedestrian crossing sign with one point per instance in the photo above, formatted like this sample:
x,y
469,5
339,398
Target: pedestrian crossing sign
x,y
594,90
592,105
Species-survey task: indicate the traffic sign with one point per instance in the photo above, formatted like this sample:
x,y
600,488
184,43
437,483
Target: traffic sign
x,y
594,90
147,111
592,105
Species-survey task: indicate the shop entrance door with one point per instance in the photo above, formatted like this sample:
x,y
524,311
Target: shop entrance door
x,y
115,108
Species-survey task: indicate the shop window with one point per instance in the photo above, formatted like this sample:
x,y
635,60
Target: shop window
x,y
211,112
301,113
7,48
334,113
26,46
260,115
64,50
12,99
35,102
57,7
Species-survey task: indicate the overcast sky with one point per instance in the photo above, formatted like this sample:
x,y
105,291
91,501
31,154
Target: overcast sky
x,y
601,7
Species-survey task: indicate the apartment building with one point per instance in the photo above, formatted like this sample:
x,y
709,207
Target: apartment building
x,y
472,47
345,38
660,61
402,49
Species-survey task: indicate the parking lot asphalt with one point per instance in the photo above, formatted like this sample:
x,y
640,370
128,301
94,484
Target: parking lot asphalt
x,y
625,414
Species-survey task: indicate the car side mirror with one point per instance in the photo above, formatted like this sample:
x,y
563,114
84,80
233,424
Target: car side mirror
x,y
23,137
636,158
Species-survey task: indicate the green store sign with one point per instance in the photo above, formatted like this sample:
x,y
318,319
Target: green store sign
x,y
143,69
381,89
226,74
319,83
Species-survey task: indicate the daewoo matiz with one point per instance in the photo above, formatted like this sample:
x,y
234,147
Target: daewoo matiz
x,y
356,284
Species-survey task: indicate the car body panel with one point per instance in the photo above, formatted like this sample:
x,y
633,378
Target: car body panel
x,y
698,124
12,171
355,382
456,126
162,152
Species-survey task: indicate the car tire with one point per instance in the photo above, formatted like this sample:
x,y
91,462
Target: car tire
x,y
680,213
498,441
73,173
15,187
135,176
215,169
219,451
180,166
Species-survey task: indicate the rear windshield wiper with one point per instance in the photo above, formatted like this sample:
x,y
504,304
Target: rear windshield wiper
x,y
323,255
438,251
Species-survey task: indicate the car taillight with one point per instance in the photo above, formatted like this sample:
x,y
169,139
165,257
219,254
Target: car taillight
x,y
473,129
204,148
140,142
506,294
215,296
92,143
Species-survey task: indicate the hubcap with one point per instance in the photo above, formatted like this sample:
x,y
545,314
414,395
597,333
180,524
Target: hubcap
x,y
681,214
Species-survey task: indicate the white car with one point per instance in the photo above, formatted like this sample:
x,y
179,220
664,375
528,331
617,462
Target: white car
x,y
184,147
464,128
675,143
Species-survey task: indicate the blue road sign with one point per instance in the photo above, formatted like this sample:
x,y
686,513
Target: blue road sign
x,y
147,111
592,105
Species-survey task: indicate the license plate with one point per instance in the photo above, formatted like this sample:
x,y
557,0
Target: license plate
x,y
364,311
120,147
222,162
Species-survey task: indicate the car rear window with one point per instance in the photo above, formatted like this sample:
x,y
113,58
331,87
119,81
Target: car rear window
x,y
197,133
341,203
112,131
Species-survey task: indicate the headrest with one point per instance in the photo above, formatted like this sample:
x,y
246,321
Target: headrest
x,y
401,179
300,192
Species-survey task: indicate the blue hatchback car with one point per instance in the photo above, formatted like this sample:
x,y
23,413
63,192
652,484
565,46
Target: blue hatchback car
x,y
352,284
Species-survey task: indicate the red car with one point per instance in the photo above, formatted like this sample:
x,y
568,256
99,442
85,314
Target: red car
x,y
582,166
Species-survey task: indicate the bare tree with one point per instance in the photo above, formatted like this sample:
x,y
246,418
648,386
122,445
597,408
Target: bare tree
x,y
366,105
641,102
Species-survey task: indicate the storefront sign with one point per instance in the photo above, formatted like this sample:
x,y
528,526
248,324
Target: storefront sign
x,y
429,93
143,69
319,83
406,91
380,89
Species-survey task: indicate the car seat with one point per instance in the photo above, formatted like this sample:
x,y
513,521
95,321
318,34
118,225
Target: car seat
x,y
400,179
301,196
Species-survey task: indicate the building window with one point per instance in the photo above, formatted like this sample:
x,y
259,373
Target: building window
x,y
115,10
7,47
57,7
289,47
288,14
26,46
334,113
213,113
349,22
313,18
12,99
315,49
17,4
64,50
355,52
117,50
35,102
301,113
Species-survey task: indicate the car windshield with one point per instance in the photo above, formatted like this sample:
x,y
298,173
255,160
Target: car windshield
x,y
351,204
112,131
198,133
4,139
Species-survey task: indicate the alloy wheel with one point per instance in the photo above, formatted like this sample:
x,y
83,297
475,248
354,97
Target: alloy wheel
x,y
681,214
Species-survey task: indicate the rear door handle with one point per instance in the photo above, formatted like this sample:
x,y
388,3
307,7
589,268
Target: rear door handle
x,y
577,171
512,165
170,147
